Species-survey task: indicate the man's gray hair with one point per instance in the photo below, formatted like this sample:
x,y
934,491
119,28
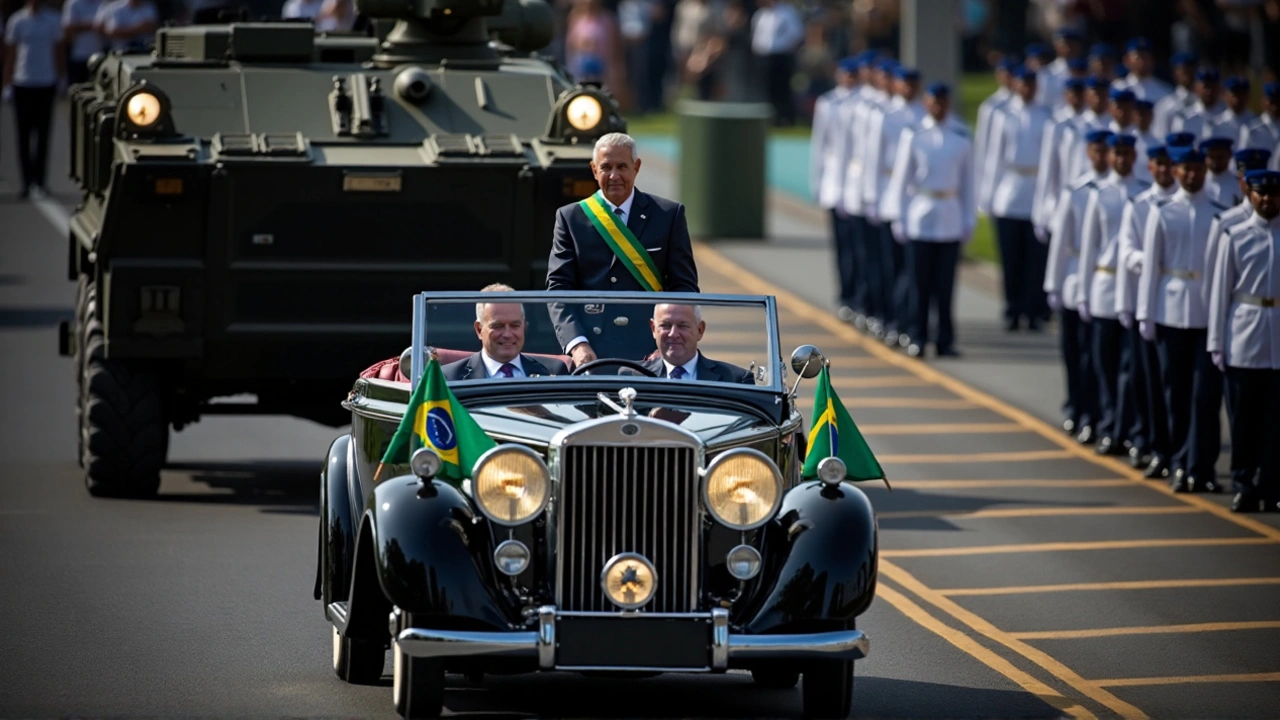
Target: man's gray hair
x,y
697,309
495,287
616,139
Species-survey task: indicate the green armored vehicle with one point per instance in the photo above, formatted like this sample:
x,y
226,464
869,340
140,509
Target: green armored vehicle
x,y
261,202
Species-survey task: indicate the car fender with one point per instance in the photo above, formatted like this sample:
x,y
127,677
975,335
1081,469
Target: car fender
x,y
338,516
433,553
820,561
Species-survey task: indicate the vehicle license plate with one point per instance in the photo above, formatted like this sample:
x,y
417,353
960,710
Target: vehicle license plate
x,y
371,183
633,642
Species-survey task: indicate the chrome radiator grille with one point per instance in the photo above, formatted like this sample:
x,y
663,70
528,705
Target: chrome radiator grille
x,y
617,499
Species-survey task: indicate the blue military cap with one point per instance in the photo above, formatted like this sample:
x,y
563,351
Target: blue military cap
x,y
886,64
1185,154
1098,136
867,56
1122,140
1097,82
1180,139
1157,152
1271,90
1073,83
1208,75
903,72
1121,95
1078,64
849,64
1036,50
1067,33
1252,159
1213,143
1022,72
1263,180
1142,104
1009,62
1184,58
1236,84
1138,44
1102,50
939,90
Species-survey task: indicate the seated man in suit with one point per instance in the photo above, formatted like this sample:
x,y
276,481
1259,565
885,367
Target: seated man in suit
x,y
500,327
677,329
618,240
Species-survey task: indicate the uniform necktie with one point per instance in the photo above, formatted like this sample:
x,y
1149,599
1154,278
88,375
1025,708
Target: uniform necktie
x,y
677,373
617,211
507,370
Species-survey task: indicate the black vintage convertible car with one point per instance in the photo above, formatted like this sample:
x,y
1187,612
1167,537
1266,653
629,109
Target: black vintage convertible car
x,y
625,521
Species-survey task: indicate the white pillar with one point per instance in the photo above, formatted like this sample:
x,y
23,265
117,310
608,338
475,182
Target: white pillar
x,y
931,43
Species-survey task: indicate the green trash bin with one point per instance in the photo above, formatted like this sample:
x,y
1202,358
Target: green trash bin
x,y
722,167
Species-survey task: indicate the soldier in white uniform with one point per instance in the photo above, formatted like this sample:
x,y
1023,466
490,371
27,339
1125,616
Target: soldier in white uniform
x,y
1099,270
1055,155
1220,183
1173,313
1142,400
1008,188
1184,66
1244,341
826,180
866,237
930,200
1069,46
904,111
1063,281
982,130
1231,121
1140,63
1197,118
1264,130
1097,116
1143,116
1102,61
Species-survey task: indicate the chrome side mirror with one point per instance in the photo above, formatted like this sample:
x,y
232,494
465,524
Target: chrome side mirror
x,y
807,361
406,362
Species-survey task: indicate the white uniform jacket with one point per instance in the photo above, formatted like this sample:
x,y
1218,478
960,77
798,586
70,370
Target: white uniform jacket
x,y
982,134
1171,287
1263,132
1246,276
1147,88
1223,188
1051,176
931,190
1100,245
855,149
882,148
1062,274
826,146
1167,107
1132,225
1009,180
1229,125
1222,223
1196,119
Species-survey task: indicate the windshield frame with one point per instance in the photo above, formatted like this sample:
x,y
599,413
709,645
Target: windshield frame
x,y
774,366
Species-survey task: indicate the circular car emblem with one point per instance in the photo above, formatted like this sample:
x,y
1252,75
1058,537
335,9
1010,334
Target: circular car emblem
x,y
629,580
630,429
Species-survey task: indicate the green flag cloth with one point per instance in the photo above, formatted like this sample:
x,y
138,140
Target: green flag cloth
x,y
435,419
832,433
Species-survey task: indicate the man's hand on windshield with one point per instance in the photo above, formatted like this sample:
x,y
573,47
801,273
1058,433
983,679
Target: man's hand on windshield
x,y
582,354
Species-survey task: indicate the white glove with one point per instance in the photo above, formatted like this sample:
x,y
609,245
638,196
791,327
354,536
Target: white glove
x,y
1133,263
1083,309
1126,320
1147,329
1220,359
898,233
1042,233
6,96
1055,302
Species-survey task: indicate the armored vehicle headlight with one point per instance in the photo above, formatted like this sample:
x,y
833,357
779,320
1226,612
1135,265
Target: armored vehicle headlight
x,y
511,484
742,488
143,109
584,112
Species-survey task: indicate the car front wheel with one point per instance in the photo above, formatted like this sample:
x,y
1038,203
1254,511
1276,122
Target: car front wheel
x,y
828,689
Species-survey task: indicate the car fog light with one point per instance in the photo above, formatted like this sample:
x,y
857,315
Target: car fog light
x,y
832,470
629,580
143,109
425,463
511,557
584,112
743,562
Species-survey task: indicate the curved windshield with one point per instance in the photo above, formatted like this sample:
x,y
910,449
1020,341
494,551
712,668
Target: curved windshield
x,y
671,337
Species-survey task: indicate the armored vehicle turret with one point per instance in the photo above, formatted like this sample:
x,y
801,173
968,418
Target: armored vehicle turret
x,y
261,201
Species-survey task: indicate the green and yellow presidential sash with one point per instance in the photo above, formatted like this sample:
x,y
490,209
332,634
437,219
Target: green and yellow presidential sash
x,y
622,242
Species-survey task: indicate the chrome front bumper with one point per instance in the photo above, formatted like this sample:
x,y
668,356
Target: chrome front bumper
x,y
541,644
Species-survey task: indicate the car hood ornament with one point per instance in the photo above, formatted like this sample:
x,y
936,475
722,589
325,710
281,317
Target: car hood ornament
x,y
627,395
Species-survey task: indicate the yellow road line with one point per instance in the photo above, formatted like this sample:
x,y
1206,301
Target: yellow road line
x,y
1122,585
962,484
794,304
876,381
856,403
1147,630
937,459
1086,687
1244,677
1072,546
940,428
981,654
1017,512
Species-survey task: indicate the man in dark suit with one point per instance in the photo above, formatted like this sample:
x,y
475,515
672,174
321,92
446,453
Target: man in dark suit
x,y
677,330
500,327
620,239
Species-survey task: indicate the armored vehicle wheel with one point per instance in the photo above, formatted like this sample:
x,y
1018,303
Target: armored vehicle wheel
x,y
418,686
358,662
124,436
775,677
828,689
85,299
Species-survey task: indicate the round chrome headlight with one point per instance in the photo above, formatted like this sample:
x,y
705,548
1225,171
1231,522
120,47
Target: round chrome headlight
x,y
742,489
425,463
743,562
511,557
511,484
629,580
832,470
584,112
143,109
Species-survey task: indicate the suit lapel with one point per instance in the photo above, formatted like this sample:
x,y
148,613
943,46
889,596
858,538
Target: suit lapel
x,y
639,215
657,367
532,367
476,368
707,371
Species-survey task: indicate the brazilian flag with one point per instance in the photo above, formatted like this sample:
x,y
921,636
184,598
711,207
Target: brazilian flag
x,y
832,433
435,419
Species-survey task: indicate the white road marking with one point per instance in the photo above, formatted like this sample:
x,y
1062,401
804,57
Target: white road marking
x,y
54,212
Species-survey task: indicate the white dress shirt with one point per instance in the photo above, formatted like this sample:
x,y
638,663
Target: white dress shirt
x,y
931,189
882,150
1100,266
1132,225
1171,287
1247,264
495,367
1009,182
86,42
690,368
34,38
826,146
1062,274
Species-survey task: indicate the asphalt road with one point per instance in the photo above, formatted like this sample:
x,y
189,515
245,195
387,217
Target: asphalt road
x,y
1021,576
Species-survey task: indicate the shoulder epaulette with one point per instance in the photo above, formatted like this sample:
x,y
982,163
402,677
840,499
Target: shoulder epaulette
x,y
1163,201
1082,185
1219,205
